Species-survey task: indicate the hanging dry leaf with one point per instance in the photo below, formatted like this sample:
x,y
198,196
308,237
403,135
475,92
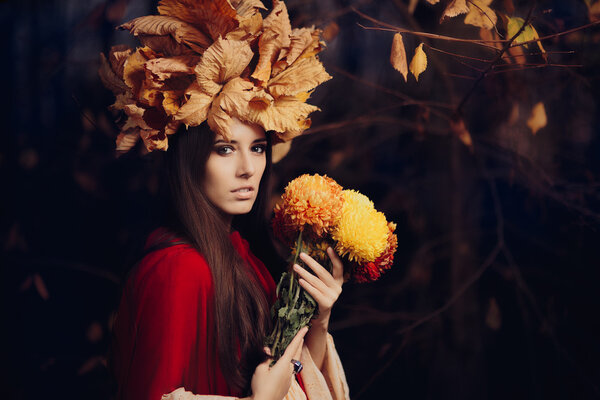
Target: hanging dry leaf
x,y
165,45
457,126
455,8
213,17
537,120
398,56
154,139
481,15
302,76
161,69
275,37
418,64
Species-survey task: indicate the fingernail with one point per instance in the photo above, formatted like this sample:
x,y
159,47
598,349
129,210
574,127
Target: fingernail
x,y
296,267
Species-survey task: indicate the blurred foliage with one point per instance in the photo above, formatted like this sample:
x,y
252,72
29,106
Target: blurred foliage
x,y
493,292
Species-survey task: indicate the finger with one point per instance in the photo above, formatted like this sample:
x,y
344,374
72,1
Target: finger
x,y
294,345
298,353
338,265
307,276
317,268
319,297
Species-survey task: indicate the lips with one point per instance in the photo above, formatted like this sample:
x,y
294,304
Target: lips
x,y
244,193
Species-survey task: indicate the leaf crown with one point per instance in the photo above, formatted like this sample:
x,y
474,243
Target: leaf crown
x,y
213,60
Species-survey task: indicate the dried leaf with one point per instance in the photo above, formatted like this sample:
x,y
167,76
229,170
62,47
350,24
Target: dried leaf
x,y
481,15
160,69
514,25
398,56
109,78
40,286
234,97
244,8
154,139
455,8
280,150
275,37
418,64
213,17
460,130
195,109
166,45
161,25
248,28
126,140
134,72
433,1
286,115
302,76
222,61
538,119
304,42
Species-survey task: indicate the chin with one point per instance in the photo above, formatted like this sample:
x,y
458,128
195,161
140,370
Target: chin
x,y
240,209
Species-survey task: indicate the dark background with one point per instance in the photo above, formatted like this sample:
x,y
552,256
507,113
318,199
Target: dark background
x,y
494,291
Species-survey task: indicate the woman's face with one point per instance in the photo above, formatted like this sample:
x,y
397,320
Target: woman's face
x,y
234,169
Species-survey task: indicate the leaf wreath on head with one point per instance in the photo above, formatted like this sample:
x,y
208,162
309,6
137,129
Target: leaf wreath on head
x,y
213,60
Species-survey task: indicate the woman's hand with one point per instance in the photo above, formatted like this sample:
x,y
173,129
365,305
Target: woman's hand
x,y
273,383
324,287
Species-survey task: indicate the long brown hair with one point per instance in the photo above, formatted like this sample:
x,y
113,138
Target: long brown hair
x,y
241,308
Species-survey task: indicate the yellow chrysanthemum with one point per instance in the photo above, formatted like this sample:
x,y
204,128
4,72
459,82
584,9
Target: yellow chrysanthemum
x,y
362,231
311,200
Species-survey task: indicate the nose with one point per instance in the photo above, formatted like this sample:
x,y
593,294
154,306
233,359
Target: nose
x,y
246,167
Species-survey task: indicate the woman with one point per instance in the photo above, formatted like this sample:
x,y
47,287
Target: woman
x,y
195,310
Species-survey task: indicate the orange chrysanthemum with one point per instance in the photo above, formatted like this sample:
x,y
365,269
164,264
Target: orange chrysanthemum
x,y
309,201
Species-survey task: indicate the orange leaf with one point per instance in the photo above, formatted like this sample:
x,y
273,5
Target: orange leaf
x,y
161,25
455,8
275,37
214,17
302,76
398,56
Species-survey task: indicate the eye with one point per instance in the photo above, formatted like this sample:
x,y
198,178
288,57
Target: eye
x,y
224,150
259,148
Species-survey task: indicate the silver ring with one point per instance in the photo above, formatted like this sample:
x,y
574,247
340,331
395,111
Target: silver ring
x,y
297,366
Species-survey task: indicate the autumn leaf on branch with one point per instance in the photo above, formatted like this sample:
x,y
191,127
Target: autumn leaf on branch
x,y
418,63
398,56
481,15
529,33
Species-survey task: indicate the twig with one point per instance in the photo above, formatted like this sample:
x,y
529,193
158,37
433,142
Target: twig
x,y
425,34
568,31
496,60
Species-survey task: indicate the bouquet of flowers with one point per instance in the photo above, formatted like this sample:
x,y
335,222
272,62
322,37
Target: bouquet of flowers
x,y
316,213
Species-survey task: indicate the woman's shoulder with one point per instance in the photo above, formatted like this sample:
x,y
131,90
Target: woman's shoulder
x,y
175,263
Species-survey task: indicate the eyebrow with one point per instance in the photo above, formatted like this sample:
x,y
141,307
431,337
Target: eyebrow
x,y
236,142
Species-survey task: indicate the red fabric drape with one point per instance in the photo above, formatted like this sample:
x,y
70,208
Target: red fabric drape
x,y
163,330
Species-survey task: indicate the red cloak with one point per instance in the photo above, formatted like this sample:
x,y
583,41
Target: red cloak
x,y
163,333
